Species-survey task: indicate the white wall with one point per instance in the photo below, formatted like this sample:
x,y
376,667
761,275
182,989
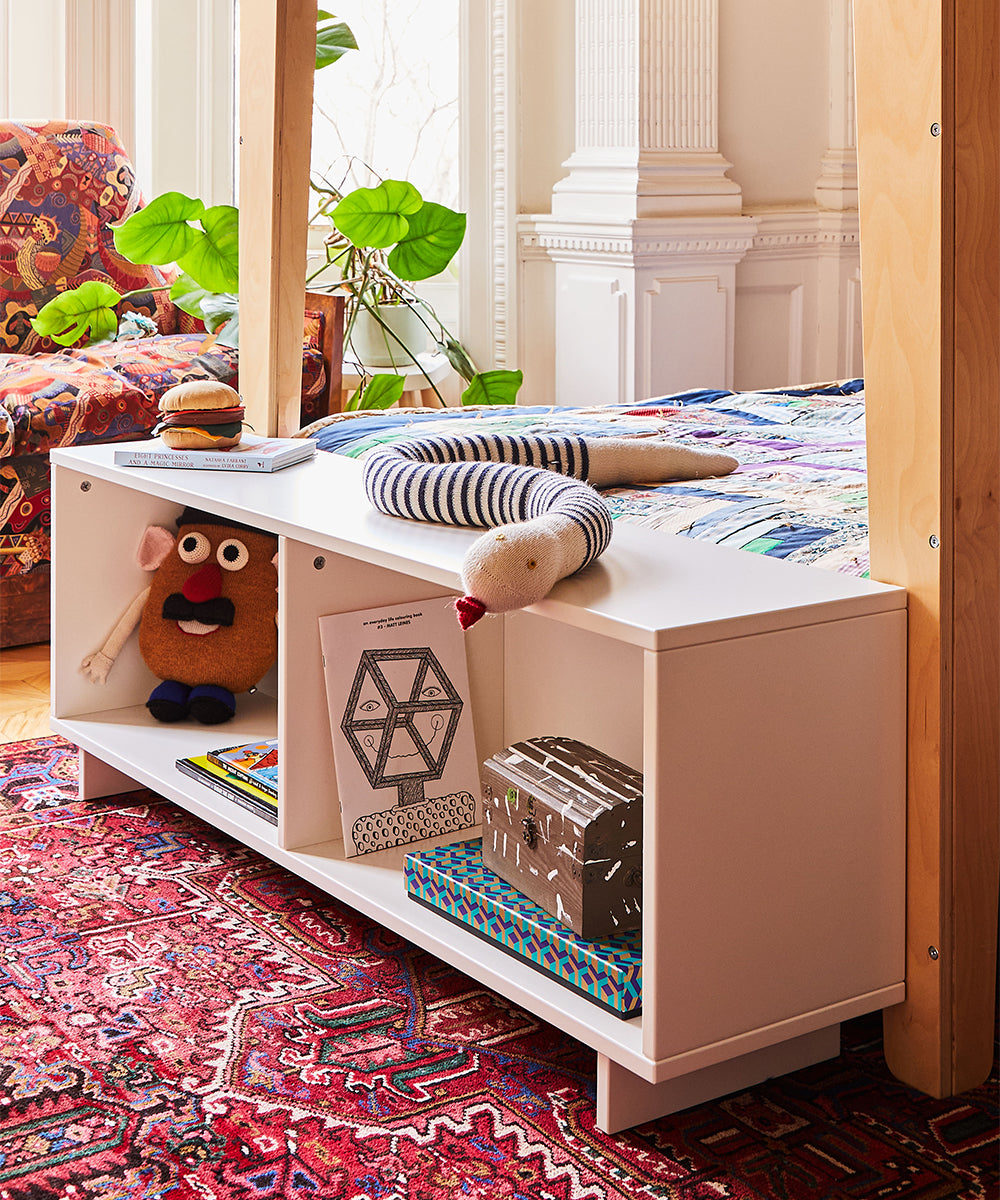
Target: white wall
x,y
773,95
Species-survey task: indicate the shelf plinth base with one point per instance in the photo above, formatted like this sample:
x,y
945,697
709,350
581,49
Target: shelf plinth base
x,y
97,779
624,1100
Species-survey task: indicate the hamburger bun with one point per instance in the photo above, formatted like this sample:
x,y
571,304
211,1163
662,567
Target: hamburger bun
x,y
202,414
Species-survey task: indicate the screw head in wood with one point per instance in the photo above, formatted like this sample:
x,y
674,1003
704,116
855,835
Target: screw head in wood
x,y
936,130
85,486
934,541
319,562
934,952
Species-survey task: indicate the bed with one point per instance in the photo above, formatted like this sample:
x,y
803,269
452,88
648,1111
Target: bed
x,y
799,492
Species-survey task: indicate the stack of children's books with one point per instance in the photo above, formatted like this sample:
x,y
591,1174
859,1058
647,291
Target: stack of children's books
x,y
246,774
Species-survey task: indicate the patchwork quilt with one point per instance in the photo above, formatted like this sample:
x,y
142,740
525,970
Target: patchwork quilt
x,y
799,493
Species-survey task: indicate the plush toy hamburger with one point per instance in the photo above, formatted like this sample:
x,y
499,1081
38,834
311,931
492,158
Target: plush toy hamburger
x,y
200,415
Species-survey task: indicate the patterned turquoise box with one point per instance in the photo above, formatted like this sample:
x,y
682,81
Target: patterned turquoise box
x,y
453,881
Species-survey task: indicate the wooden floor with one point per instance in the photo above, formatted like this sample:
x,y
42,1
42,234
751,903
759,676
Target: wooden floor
x,y
24,692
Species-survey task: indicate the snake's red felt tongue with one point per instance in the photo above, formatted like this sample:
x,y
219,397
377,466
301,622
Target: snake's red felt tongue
x,y
469,611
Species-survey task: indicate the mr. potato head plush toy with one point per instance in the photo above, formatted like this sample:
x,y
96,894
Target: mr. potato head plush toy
x,y
207,622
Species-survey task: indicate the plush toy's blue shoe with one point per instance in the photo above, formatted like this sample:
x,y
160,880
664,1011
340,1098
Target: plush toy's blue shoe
x,y
207,703
168,701
211,705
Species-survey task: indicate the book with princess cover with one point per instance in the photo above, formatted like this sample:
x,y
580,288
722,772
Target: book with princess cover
x,y
256,762
252,454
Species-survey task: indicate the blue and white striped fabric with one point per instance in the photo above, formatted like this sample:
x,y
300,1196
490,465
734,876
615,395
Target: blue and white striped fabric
x,y
486,480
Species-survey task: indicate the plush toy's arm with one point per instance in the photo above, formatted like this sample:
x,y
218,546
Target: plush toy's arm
x,y
96,666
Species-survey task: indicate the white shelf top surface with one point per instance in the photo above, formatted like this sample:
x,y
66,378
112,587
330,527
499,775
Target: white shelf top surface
x,y
650,589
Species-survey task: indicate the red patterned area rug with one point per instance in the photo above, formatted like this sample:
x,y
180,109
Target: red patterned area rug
x,y
181,1018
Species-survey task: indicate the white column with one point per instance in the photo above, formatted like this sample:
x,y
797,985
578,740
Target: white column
x,y
838,347
837,186
646,229
646,112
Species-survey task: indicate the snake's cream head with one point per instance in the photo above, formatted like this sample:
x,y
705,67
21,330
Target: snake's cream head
x,y
512,566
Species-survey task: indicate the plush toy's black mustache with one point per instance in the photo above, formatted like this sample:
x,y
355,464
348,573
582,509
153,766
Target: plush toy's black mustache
x,y
217,611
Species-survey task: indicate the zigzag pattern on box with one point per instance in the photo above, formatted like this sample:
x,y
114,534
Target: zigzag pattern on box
x,y
453,880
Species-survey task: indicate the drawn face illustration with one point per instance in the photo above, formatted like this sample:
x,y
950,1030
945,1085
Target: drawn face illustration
x,y
401,716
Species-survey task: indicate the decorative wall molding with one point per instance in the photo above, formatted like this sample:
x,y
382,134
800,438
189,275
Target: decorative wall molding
x,y
647,240
797,309
782,232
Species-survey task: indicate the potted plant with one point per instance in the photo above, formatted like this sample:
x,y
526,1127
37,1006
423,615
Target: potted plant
x,y
175,229
383,240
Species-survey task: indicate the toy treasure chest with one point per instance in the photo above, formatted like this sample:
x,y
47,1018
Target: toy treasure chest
x,y
562,822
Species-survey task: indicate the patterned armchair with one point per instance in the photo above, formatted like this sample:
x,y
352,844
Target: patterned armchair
x,y
62,185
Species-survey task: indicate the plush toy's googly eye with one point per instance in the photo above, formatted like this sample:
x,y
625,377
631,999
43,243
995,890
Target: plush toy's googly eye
x,y
194,548
232,555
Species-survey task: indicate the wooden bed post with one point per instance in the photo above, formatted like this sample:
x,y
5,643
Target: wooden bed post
x,y
277,64
929,162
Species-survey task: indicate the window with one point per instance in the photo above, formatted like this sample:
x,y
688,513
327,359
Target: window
x,y
389,110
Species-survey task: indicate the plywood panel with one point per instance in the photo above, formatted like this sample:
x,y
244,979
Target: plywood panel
x,y
927,124
971,382
898,80
277,60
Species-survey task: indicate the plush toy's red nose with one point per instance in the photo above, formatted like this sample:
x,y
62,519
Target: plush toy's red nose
x,y
204,584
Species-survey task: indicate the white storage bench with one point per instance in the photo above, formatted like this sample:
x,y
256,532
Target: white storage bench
x,y
764,703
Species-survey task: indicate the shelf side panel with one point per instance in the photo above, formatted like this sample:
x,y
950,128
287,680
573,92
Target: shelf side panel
x,y
774,829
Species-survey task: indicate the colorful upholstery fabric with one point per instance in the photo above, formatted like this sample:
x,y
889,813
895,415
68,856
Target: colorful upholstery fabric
x,y
25,514
106,393
63,185
800,492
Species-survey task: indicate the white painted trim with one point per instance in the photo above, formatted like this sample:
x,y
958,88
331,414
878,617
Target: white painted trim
x,y
192,124
488,156
100,64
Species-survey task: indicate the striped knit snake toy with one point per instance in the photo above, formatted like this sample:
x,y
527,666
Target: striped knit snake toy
x,y
534,492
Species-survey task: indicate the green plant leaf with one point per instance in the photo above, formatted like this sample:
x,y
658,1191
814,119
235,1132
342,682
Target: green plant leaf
x,y
159,233
88,310
429,244
219,310
377,217
333,39
493,387
213,259
456,354
188,295
381,391
222,316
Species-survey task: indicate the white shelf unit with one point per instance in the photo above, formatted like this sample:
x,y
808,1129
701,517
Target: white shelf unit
x,y
763,701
